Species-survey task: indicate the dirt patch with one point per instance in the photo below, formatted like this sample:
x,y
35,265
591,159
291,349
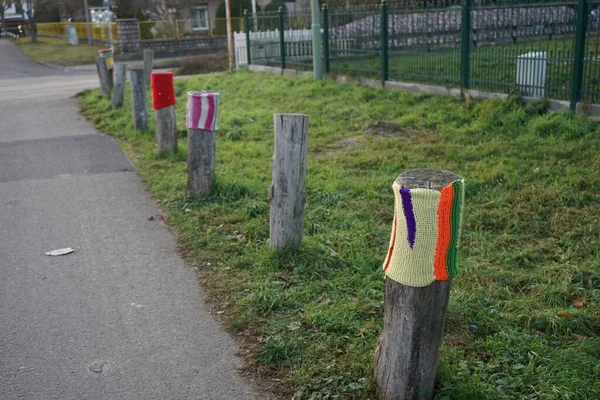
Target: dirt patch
x,y
385,129
342,145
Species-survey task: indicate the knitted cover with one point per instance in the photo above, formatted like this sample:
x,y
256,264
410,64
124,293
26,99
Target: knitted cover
x,y
163,91
202,110
425,234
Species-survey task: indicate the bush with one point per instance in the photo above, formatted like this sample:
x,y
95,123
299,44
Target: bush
x,y
203,64
237,8
274,6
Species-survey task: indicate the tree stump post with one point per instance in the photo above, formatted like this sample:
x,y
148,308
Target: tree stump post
x,y
148,61
119,89
163,102
421,261
202,112
103,76
138,98
287,194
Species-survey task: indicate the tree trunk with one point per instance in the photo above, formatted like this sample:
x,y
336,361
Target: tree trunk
x,y
408,353
119,88
2,18
166,130
201,162
34,33
287,194
103,76
138,98
148,61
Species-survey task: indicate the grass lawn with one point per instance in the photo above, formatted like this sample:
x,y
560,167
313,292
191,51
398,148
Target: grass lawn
x,y
492,68
58,51
524,313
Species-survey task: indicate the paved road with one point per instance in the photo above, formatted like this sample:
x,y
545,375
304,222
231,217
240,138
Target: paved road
x,y
123,317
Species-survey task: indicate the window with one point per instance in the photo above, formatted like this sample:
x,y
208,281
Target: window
x,y
200,18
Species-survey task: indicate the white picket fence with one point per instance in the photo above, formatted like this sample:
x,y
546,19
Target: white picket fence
x,y
298,45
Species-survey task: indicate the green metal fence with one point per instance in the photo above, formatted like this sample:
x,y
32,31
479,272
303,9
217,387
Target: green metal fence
x,y
537,48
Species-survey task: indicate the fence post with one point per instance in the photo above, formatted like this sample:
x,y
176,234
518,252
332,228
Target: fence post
x,y
247,26
119,88
138,98
465,44
579,53
163,102
148,61
103,73
385,71
316,41
326,36
421,261
202,112
281,39
287,194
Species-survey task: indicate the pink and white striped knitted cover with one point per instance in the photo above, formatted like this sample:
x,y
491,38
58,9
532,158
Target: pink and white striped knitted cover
x,y
202,110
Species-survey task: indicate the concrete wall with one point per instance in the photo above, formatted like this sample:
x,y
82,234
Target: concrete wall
x,y
182,47
130,43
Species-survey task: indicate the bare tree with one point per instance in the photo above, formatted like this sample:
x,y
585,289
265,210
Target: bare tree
x,y
4,6
30,9
169,9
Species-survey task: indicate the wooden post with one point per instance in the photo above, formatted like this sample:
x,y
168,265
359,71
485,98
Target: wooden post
x,y
148,61
408,353
230,47
201,122
103,76
287,194
163,102
119,89
138,98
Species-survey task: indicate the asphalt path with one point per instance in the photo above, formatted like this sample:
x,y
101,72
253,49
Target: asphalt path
x,y
121,318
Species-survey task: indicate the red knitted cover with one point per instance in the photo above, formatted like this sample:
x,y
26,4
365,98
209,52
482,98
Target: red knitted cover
x,y
163,92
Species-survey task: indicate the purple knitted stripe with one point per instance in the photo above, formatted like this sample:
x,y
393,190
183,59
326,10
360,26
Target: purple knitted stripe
x,y
409,214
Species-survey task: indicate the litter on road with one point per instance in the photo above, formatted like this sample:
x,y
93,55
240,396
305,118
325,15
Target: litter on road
x,y
60,252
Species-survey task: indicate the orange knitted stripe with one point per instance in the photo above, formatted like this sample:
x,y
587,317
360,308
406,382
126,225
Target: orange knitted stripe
x,y
444,233
392,244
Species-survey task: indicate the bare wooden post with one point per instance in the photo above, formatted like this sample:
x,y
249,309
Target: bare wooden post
x,y
408,353
111,80
138,98
166,130
287,194
103,76
163,102
148,61
201,121
119,89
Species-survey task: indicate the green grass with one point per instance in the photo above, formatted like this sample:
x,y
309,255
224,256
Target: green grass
x,y
523,319
492,68
58,51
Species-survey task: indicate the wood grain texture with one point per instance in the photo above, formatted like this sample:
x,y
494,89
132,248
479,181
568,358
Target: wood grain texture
x,y
201,162
166,130
287,194
408,353
103,76
148,62
138,98
118,93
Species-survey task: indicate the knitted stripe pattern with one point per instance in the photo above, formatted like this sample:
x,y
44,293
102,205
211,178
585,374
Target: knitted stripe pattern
x,y
425,234
458,203
202,110
444,233
409,214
